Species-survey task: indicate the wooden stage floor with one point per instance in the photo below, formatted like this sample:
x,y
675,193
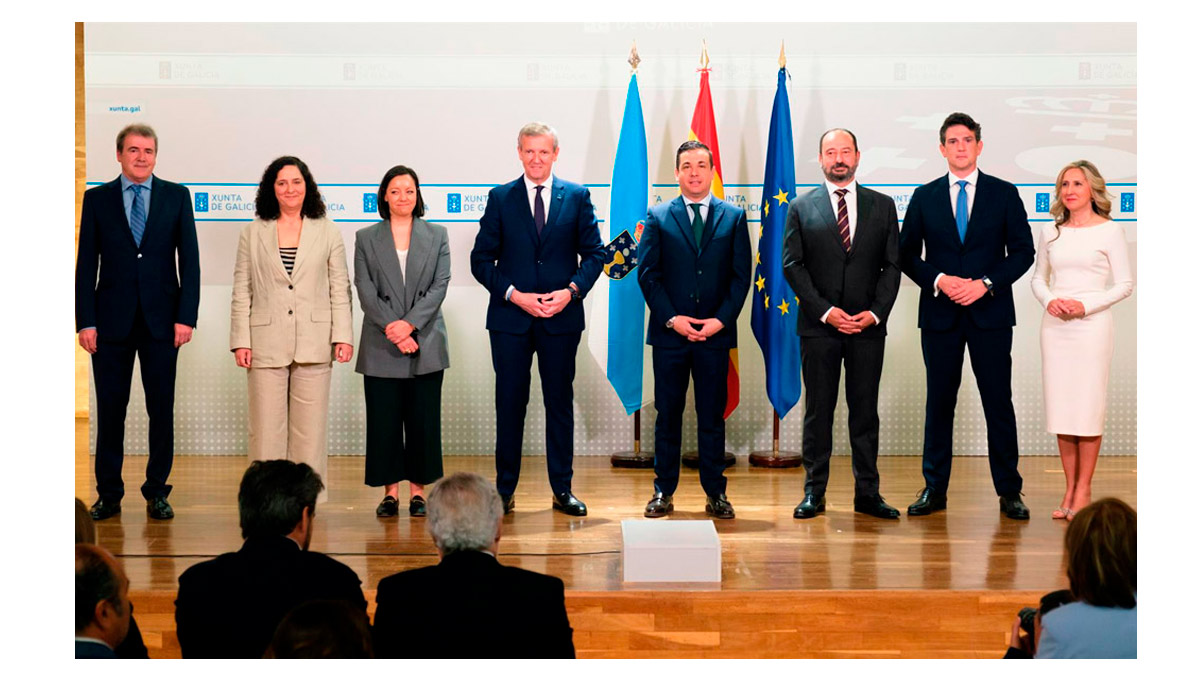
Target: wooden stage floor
x,y
971,546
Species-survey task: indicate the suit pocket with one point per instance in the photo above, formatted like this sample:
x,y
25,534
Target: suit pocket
x,y
322,315
260,319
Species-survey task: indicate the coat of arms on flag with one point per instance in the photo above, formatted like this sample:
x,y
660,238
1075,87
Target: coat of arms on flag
x,y
622,253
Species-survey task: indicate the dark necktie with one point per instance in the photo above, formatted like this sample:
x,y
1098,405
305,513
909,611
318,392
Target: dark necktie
x,y
137,215
843,217
960,210
539,210
697,223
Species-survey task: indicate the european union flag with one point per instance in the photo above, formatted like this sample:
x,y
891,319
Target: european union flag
x,y
773,316
627,211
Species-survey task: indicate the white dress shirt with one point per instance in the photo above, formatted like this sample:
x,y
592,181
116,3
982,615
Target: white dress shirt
x,y
972,180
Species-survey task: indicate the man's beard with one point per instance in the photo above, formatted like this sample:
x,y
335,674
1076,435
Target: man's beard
x,y
829,173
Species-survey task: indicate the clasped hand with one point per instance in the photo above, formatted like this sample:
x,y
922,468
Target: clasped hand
x,y
542,305
1065,309
847,324
696,330
960,290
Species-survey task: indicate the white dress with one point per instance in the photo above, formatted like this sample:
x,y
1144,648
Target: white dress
x,y
1077,353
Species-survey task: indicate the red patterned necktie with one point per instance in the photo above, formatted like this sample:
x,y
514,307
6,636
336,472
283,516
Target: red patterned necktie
x,y
843,216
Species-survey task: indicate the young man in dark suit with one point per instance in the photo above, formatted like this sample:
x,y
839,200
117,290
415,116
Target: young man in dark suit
x,y
229,607
694,273
538,252
841,256
136,234
469,605
977,243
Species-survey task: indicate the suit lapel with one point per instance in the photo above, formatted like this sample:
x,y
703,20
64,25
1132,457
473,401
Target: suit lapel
x,y
716,211
982,192
683,221
268,238
825,209
557,192
157,207
308,239
866,208
420,246
117,203
943,211
518,202
384,248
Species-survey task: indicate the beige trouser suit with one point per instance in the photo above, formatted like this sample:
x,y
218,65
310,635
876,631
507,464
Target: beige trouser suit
x,y
290,324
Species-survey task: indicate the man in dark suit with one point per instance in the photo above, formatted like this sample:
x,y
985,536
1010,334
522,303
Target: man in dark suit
x,y
694,273
977,243
538,252
102,608
841,256
132,233
229,607
469,605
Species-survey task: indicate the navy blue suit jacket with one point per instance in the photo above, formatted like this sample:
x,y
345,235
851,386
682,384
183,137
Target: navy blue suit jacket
x,y
509,251
706,282
999,245
130,274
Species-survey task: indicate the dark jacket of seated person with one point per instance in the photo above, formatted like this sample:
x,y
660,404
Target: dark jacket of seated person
x,y
470,605
229,607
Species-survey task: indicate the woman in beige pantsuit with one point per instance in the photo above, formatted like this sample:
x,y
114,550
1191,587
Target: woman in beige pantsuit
x,y
290,315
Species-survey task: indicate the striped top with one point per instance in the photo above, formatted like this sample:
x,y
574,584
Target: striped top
x,y
288,255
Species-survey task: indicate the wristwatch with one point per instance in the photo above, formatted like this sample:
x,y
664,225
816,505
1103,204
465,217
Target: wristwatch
x,y
671,323
574,293
988,284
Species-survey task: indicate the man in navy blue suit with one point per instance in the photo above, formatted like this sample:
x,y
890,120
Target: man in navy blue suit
x,y
695,273
538,252
977,243
137,292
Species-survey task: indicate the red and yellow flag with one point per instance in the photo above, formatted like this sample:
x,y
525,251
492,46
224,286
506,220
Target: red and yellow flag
x,y
704,129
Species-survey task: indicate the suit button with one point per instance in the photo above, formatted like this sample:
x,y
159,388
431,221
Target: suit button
x,y
289,287
699,271
387,298
139,256
289,312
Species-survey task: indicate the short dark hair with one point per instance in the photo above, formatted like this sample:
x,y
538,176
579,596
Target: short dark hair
x,y
1101,550
957,118
322,629
821,140
142,130
692,145
399,170
273,496
266,205
95,581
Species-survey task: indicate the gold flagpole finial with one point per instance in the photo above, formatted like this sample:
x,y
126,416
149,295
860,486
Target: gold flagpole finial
x,y
634,59
782,57
704,54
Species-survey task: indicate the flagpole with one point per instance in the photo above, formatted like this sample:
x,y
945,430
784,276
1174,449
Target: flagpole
x,y
776,459
623,458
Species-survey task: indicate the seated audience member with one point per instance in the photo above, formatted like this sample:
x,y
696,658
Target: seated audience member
x,y
132,647
1027,628
101,603
1101,550
469,605
322,629
229,607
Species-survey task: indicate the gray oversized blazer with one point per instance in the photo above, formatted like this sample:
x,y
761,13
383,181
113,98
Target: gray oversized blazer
x,y
386,296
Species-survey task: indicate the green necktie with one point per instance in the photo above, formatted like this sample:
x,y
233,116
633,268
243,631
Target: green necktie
x,y
697,223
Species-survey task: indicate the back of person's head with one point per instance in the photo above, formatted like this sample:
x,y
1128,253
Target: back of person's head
x,y
101,595
85,527
322,629
273,496
1101,550
464,512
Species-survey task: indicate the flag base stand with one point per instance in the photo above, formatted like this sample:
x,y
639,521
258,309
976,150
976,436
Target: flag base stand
x,y
692,459
775,460
631,459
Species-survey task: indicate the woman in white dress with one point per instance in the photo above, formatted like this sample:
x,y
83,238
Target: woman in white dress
x,y
1077,254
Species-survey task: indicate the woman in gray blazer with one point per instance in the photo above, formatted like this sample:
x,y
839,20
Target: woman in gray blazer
x,y
401,271
290,316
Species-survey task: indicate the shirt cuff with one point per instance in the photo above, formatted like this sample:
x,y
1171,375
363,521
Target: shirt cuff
x,y
935,283
873,316
825,316
509,292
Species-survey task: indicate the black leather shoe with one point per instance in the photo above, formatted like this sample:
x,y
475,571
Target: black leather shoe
x,y
718,506
509,503
659,505
388,508
105,508
810,507
927,502
1013,507
159,509
568,504
416,506
875,506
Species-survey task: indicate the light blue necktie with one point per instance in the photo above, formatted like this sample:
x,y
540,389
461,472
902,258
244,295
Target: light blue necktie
x,y
137,214
960,210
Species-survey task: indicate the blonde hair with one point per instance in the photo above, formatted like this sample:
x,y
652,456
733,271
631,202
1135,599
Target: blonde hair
x,y
1101,204
537,129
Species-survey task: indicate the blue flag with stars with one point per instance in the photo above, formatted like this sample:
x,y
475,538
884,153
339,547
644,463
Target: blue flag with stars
x,y
627,214
775,306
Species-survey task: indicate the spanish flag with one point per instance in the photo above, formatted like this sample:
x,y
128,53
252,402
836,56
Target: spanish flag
x,y
704,129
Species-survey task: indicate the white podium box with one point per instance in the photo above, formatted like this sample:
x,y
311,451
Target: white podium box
x,y
670,551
